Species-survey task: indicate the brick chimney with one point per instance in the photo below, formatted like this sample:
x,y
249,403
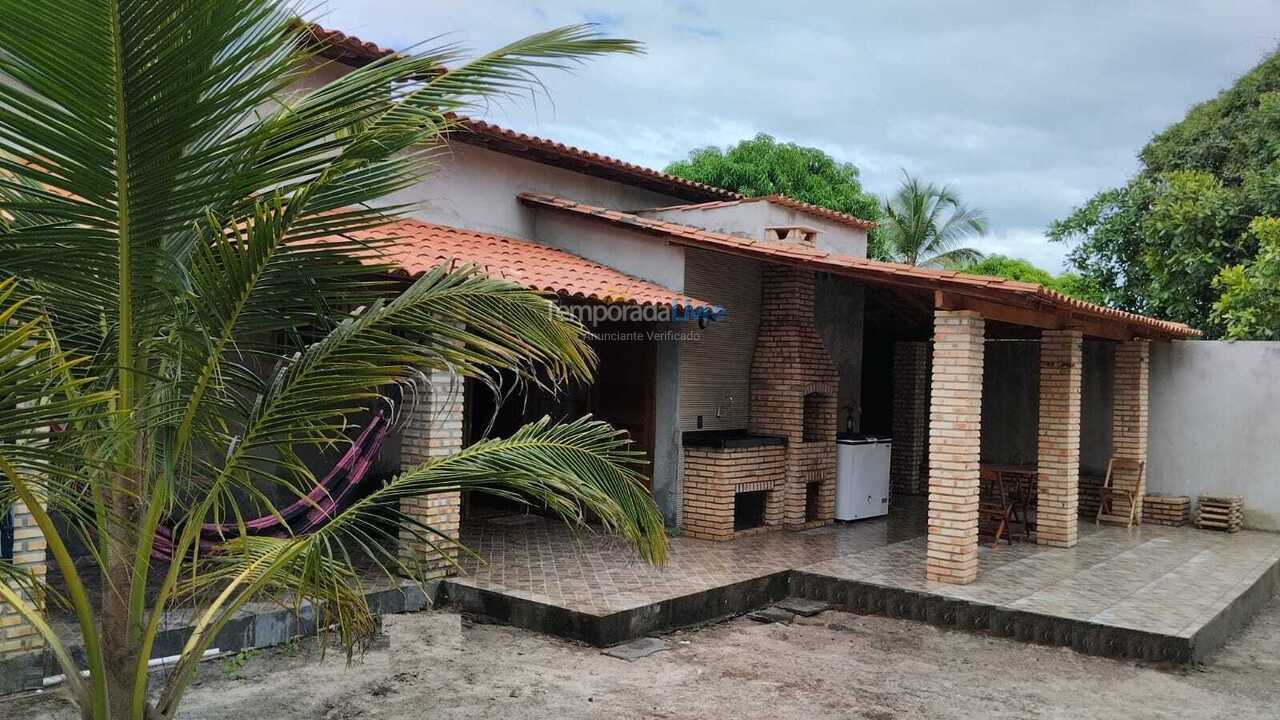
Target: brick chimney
x,y
793,394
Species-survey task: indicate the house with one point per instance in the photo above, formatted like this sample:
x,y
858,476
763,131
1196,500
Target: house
x,y
758,330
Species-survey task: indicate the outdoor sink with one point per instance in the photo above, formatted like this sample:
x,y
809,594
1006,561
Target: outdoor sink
x,y
729,439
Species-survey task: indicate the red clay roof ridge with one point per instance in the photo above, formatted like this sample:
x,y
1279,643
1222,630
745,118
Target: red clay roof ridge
x,y
344,48
779,199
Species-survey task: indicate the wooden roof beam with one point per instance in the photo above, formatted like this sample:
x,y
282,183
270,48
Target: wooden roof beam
x,y
1033,317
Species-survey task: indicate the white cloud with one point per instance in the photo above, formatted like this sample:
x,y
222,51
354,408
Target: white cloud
x,y
1025,243
1026,108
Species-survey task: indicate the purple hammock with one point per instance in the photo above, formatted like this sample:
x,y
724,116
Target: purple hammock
x,y
325,500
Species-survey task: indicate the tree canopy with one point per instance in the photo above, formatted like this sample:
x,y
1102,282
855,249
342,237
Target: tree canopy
x,y
764,166
1190,228
1023,271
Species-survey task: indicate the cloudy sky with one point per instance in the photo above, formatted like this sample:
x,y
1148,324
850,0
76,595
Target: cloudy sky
x,y
1027,108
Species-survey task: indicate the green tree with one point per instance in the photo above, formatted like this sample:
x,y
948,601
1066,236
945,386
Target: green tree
x,y
1157,244
924,224
1023,271
175,209
1249,306
764,166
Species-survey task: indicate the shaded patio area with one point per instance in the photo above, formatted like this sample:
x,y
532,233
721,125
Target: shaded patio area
x,y
1158,593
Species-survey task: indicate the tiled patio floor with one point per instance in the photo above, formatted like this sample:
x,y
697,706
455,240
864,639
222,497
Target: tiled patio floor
x,y
1167,582
1163,580
541,560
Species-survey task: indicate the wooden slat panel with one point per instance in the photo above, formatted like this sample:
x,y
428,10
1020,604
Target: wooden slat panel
x,y
719,364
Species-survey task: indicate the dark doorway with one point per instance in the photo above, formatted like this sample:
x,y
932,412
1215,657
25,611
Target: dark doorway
x,y
622,394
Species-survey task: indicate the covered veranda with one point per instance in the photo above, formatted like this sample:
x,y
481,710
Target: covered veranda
x,y
952,316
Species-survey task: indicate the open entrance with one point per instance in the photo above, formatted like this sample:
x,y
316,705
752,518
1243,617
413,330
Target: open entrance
x,y
621,394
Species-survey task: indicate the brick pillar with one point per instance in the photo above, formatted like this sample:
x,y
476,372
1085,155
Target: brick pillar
x,y
910,416
1057,501
434,430
17,636
1130,409
955,423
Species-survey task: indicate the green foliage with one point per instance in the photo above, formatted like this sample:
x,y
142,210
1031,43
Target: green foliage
x,y
764,166
925,224
1249,304
204,320
1023,271
1157,244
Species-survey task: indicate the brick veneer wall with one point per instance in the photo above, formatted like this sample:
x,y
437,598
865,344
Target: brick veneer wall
x,y
791,362
955,447
17,636
712,479
910,416
1058,444
1131,406
433,430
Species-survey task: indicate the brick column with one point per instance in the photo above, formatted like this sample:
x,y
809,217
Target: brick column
x,y
955,423
1057,501
910,416
17,636
434,430
1130,409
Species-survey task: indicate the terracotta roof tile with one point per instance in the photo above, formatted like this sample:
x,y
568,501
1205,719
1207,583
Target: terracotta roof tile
x,y
344,48
421,246
479,132
783,200
873,271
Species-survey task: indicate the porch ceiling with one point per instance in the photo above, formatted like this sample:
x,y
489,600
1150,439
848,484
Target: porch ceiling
x,y
998,299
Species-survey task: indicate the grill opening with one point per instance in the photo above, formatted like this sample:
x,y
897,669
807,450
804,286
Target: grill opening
x,y
814,427
812,492
748,510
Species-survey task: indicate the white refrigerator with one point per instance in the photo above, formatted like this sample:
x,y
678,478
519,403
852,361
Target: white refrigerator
x,y
862,477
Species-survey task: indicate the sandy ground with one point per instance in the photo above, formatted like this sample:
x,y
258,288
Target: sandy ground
x,y
834,665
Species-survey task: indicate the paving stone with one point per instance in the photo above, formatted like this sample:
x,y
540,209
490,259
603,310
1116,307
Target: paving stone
x,y
803,607
636,649
772,615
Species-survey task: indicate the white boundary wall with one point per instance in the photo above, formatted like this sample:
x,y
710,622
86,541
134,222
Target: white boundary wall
x,y
1215,423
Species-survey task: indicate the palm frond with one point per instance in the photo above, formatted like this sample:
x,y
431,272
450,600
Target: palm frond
x,y
923,223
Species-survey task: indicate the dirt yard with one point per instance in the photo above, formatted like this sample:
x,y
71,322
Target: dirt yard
x,y
834,665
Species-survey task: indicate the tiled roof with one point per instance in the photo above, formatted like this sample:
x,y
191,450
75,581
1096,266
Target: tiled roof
x,y
871,271
783,200
344,48
421,246
511,142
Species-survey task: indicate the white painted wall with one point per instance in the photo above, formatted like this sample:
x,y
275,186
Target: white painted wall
x,y
476,188
637,254
1215,423
750,219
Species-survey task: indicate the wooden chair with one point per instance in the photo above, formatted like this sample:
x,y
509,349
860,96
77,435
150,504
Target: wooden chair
x,y
1022,488
1123,483
994,508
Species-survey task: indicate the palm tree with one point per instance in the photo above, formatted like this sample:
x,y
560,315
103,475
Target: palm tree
x,y
924,223
168,215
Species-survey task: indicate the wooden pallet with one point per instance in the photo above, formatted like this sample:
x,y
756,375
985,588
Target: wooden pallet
x,y
1171,510
1220,512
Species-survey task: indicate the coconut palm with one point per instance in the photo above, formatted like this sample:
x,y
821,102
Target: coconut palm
x,y
172,219
924,224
